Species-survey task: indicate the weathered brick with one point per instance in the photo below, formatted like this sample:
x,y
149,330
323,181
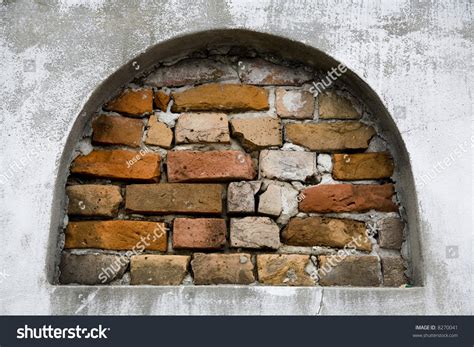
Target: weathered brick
x,y
199,233
362,166
202,128
91,268
191,71
348,198
257,133
349,270
287,165
261,72
323,231
285,269
221,97
254,232
93,200
241,196
162,100
158,133
161,270
119,164
393,271
333,106
296,104
270,202
330,137
133,102
116,235
174,198
111,130
217,268
193,166
390,232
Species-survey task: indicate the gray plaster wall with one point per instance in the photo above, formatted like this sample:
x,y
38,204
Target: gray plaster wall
x,y
415,55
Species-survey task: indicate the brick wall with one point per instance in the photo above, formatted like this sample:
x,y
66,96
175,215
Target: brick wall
x,y
227,170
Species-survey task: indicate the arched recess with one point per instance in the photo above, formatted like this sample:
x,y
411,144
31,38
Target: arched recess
x,y
265,44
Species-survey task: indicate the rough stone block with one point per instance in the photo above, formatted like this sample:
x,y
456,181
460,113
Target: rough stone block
x,y
390,233
287,165
285,269
93,200
393,271
333,106
160,270
349,270
257,133
330,137
254,232
323,231
261,72
202,128
158,133
162,100
295,104
270,202
217,268
241,196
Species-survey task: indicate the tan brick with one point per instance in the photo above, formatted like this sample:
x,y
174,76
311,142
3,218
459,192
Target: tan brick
x,y
110,130
261,72
93,200
162,100
119,164
349,270
362,166
133,102
254,232
191,71
160,270
390,233
348,198
323,231
330,137
257,133
91,268
393,271
215,166
217,268
158,133
199,233
221,97
285,269
116,235
202,128
296,104
174,198
333,106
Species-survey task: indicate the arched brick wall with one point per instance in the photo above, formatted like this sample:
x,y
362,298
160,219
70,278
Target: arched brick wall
x,y
228,168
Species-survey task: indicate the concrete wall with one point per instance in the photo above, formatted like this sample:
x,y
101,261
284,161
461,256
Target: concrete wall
x,y
55,55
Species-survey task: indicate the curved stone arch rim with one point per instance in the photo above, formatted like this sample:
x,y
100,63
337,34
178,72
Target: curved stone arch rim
x,y
285,48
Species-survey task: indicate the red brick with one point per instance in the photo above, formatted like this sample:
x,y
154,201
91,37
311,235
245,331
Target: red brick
x,y
133,102
348,198
119,164
199,233
116,235
110,130
191,166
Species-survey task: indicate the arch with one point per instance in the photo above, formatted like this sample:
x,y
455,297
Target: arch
x,y
265,44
